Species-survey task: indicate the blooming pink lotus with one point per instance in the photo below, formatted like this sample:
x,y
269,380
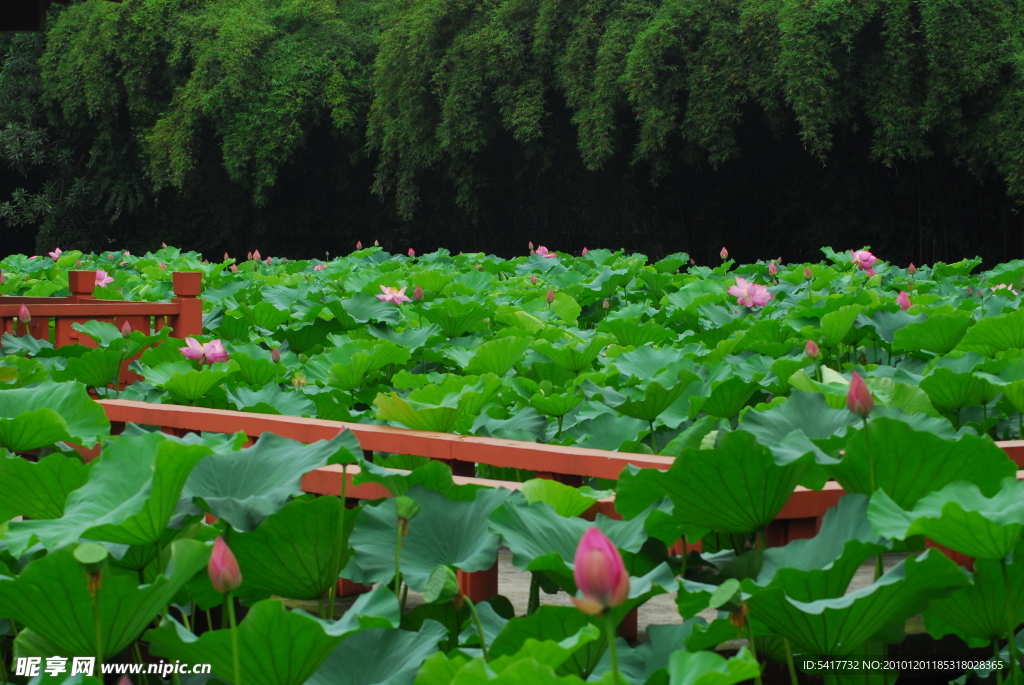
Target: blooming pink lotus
x,y
55,255
319,267
394,295
225,575
864,260
599,573
750,294
205,353
102,278
903,300
544,252
858,397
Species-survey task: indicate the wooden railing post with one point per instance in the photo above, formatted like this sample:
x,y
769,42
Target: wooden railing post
x,y
187,286
481,585
82,285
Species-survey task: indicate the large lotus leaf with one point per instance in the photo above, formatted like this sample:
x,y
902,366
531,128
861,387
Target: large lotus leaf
x,y
909,464
631,333
726,399
277,646
887,323
351,374
433,475
788,428
572,357
440,407
958,516
939,334
735,488
498,356
318,368
130,496
456,318
949,390
308,335
51,598
48,413
38,490
362,308
645,362
836,325
391,407
380,657
413,338
552,624
270,399
979,610
708,668
446,532
192,384
648,404
842,625
996,333
245,486
555,405
564,306
566,500
96,368
264,315
295,552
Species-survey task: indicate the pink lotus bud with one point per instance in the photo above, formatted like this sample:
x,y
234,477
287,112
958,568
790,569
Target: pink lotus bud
x,y
772,269
903,300
970,291
724,254
125,680
78,262
858,397
606,304
585,251
376,244
533,252
223,567
359,244
126,330
275,355
256,255
808,274
23,314
693,262
533,279
268,261
163,266
812,349
550,296
226,258
599,573
412,252
417,294
2,279
163,244
530,245
912,269
234,268
248,256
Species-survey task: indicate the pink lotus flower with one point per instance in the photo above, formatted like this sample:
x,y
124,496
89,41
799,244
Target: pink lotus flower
x,y
359,244
23,314
543,252
550,297
599,573
903,300
376,243
812,349
808,274
55,255
393,295
750,294
772,269
256,255
163,266
234,268
275,355
102,278
418,293
225,575
606,304
319,267
268,261
530,245
858,397
912,269
585,251
724,254
126,330
533,279
412,252
226,258
864,260
208,353
248,256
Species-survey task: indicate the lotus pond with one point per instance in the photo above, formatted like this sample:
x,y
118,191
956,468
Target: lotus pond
x,y
741,372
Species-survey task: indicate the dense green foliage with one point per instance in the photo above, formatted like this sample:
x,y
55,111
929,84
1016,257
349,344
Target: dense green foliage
x,y
769,125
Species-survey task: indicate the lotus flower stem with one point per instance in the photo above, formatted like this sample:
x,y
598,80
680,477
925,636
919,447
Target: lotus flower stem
x,y
1010,637
999,673
229,602
479,626
611,628
534,602
398,561
405,596
753,650
654,440
99,629
879,562
789,661
339,548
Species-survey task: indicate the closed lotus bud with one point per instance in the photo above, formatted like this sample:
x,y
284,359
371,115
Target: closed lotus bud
x,y
903,300
78,262
693,262
530,245
126,330
376,244
163,244
812,349
256,255
606,304
248,256
912,269
226,258
533,252
724,254
359,244
550,296
533,279
225,575
275,355
234,268
772,269
163,266
585,251
125,680
970,291
412,252
599,573
858,397
2,279
23,314
268,261
417,294
808,274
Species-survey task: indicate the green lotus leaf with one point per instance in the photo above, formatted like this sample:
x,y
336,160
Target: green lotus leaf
x,y
843,625
958,516
391,407
294,553
51,598
736,488
996,333
789,428
572,357
564,306
908,464
726,399
498,356
304,336
555,405
456,317
939,334
380,656
566,500
434,475
652,401
413,338
277,646
362,308
48,413
708,668
245,486
836,325
351,373
38,490
192,385
264,315
632,333
132,491
949,390
446,532
270,399
552,625
96,368
645,362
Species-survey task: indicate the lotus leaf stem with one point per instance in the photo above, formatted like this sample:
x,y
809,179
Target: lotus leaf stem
x,y
879,561
534,602
339,547
229,602
479,626
398,561
753,650
789,661
1010,637
613,654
